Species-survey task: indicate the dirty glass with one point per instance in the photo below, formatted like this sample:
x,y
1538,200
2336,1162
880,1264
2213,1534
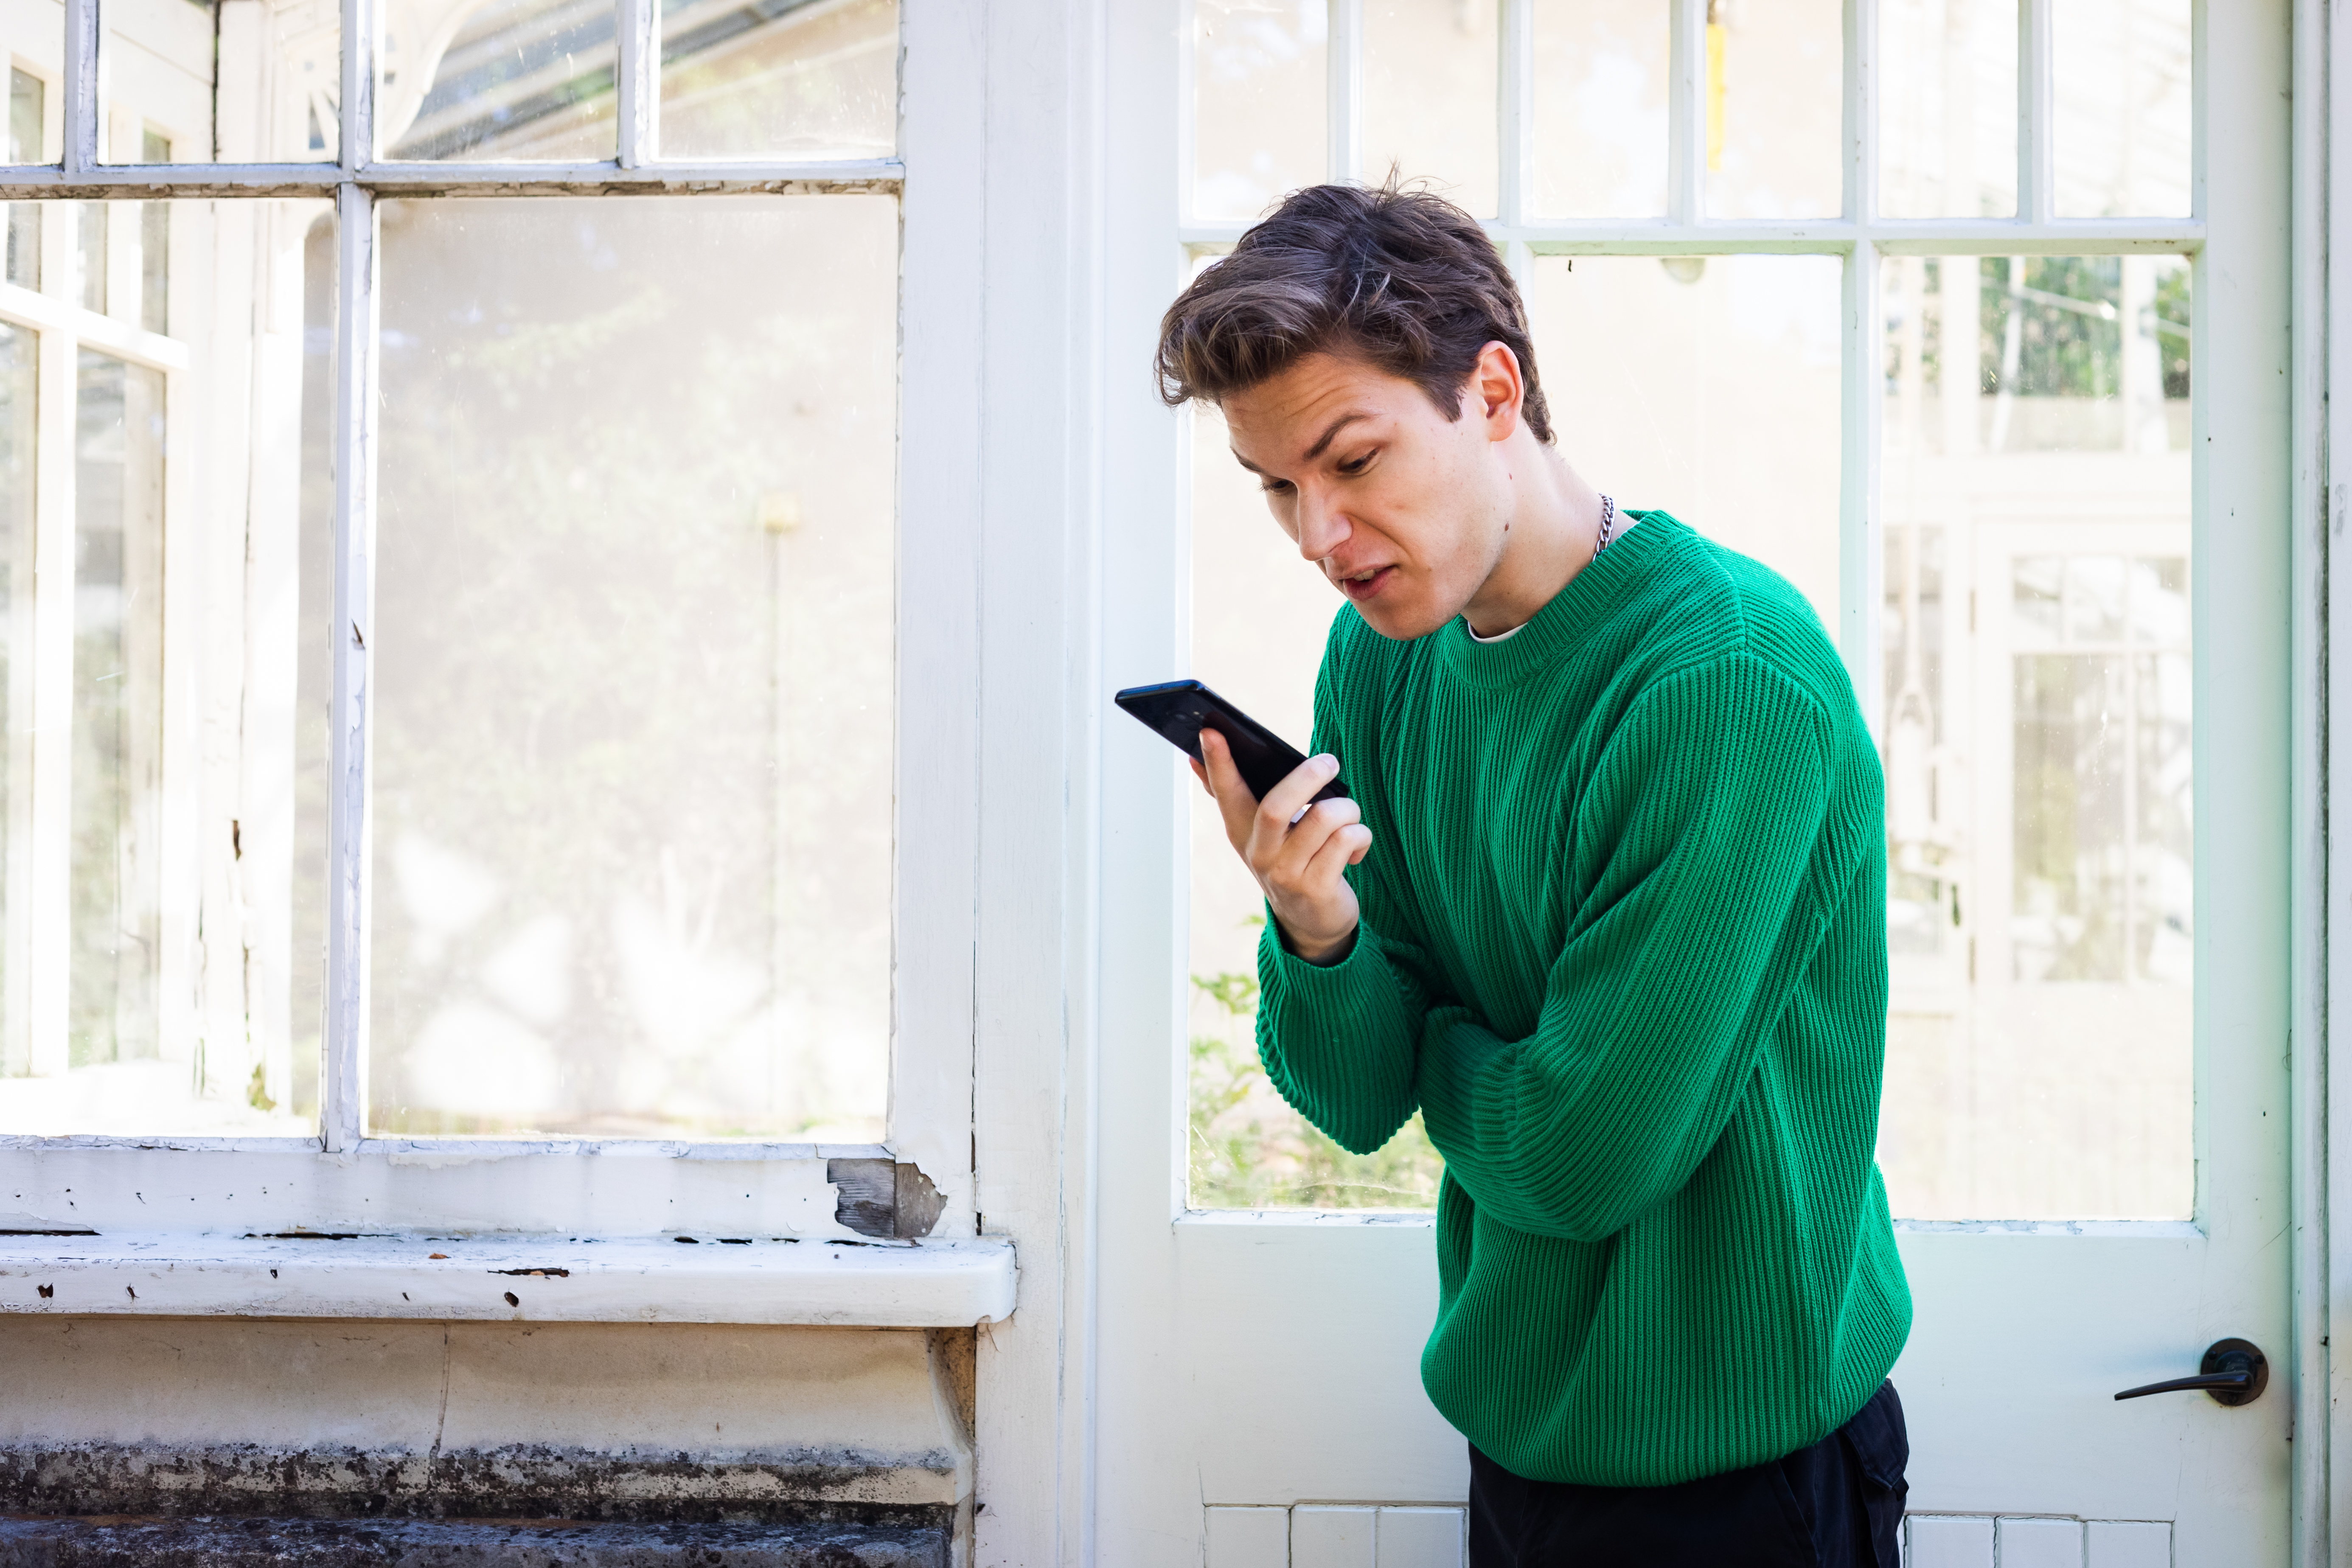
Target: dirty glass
x,y
153,981
779,81
1599,109
1707,386
636,668
2120,81
1947,108
2038,728
1259,91
501,79
1775,108
227,83
1432,72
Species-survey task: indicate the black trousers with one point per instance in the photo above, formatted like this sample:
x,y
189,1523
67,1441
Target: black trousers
x,y
1838,1504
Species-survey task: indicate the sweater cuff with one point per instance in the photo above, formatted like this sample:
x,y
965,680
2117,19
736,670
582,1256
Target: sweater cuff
x,y
1319,990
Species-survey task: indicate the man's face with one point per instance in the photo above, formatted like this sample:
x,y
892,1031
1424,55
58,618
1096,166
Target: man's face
x,y
1403,508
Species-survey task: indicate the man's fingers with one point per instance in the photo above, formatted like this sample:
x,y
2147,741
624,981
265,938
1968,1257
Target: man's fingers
x,y
1234,802
1344,847
1284,801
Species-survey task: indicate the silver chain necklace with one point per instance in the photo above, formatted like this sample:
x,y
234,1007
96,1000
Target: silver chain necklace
x,y
1608,525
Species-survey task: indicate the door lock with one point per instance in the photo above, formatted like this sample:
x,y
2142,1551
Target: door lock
x,y
2234,1372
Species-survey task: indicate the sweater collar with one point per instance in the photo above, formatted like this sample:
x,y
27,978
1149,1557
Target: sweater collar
x,y
1562,625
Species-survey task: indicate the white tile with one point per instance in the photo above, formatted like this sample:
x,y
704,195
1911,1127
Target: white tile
x,y
2041,1544
1323,1537
2119,1544
1420,1538
1249,1538
1949,1540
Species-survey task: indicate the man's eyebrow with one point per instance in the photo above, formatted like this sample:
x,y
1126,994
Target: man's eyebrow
x,y
1337,424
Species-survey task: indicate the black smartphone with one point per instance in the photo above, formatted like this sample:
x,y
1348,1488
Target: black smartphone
x,y
1180,709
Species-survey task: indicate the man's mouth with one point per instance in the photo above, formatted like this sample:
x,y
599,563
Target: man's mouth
x,y
1361,586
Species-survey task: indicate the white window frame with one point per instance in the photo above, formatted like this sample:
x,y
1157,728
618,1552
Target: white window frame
x,y
226,1188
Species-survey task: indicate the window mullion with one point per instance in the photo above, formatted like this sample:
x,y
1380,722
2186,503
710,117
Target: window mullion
x,y
1516,103
50,945
362,24
2036,170
1345,52
1686,114
1859,545
341,1095
80,152
639,81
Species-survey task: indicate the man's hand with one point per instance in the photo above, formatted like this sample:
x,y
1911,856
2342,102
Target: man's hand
x,y
1297,863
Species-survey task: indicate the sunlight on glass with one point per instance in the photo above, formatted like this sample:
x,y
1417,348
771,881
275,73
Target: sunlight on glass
x,y
2121,83
769,81
1258,94
634,778
2037,733
1431,71
1599,109
230,83
1260,615
1706,385
17,349
529,79
1776,105
1947,108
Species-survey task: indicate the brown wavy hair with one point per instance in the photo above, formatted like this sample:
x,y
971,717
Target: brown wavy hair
x,y
1401,280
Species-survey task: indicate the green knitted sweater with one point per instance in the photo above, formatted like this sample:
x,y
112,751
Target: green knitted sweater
x,y
1623,944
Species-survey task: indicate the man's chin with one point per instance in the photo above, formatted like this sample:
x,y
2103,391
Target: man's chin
x,y
1402,623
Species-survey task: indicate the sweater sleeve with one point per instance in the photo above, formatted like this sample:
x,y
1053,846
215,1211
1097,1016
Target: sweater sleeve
x,y
1338,1040
1693,840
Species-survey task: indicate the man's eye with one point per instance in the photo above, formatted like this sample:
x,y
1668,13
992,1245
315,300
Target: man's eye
x,y
1358,466
1274,487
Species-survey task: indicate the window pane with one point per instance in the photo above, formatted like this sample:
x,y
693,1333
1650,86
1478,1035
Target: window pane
x,y
232,83
529,79
1708,387
1775,109
2120,72
1599,109
2037,726
26,94
157,894
635,694
1947,108
1259,121
745,81
1259,617
1431,70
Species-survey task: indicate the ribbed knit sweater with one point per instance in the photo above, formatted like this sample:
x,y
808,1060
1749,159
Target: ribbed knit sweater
x,y
1623,944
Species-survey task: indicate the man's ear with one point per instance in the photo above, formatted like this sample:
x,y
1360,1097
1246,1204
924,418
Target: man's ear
x,y
1496,390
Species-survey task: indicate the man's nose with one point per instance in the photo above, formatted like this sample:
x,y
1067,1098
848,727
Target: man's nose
x,y
1322,526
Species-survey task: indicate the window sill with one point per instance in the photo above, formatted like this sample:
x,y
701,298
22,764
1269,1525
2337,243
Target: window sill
x,y
932,1284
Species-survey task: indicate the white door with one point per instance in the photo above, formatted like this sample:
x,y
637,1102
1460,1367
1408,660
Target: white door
x,y
1999,381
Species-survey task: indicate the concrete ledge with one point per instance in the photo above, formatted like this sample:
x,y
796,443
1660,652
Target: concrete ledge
x,y
119,1542
930,1284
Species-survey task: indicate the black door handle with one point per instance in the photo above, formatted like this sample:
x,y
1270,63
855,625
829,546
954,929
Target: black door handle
x,y
2234,1372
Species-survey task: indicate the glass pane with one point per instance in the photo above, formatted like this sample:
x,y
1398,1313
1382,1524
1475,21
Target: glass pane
x,y
634,710
1707,387
1775,108
118,714
17,350
213,82
2120,76
2036,647
1600,109
1431,70
1947,108
1260,126
805,82
161,984
25,93
527,79
1259,617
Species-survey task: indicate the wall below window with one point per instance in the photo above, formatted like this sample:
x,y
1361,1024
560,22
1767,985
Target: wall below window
x,y
627,1423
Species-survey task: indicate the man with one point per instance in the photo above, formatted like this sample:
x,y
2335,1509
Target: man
x,y
1607,905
